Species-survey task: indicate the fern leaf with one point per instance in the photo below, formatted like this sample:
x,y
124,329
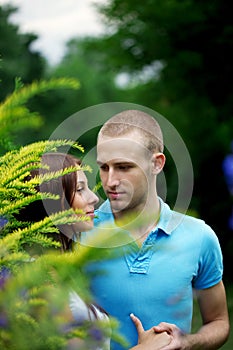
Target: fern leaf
x,y
22,95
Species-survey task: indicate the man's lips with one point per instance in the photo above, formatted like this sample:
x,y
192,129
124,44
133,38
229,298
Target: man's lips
x,y
114,195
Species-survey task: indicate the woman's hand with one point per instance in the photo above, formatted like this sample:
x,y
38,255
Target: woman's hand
x,y
149,340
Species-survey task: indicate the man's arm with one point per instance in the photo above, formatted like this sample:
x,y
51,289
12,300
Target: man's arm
x,y
215,329
213,308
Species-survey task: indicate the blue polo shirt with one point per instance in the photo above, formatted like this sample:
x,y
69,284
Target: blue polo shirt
x,y
156,281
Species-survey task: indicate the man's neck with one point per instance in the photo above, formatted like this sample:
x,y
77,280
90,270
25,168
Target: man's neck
x,y
140,224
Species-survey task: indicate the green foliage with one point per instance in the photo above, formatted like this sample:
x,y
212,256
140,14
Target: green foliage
x,y
34,293
15,194
15,166
14,115
186,46
34,290
97,85
17,58
33,303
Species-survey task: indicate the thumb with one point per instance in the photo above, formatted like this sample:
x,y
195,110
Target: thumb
x,y
137,323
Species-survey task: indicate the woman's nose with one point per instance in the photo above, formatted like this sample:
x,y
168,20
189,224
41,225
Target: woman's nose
x,y
93,198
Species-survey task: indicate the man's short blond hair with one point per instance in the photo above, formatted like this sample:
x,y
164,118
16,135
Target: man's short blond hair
x,y
129,121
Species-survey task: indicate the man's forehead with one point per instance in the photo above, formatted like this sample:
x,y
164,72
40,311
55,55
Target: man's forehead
x,y
121,141
115,161
120,149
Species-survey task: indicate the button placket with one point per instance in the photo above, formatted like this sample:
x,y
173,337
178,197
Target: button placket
x,y
139,261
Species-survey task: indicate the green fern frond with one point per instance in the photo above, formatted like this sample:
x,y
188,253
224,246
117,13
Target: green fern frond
x,y
13,207
52,145
27,320
68,217
20,115
15,177
11,244
41,239
16,194
13,119
97,187
35,302
11,259
6,196
55,343
36,149
15,166
18,83
22,95
33,233
14,115
37,180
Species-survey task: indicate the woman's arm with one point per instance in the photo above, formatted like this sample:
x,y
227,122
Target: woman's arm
x,y
149,340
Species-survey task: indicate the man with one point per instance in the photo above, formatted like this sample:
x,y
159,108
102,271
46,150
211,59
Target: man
x,y
169,254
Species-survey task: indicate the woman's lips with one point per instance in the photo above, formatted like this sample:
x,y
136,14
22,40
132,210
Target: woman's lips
x,y
91,214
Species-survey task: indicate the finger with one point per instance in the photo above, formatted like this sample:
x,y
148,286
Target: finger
x,y
163,327
137,323
163,339
158,329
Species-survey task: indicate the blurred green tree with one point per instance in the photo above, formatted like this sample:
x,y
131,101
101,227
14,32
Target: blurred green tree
x,y
183,50
97,85
16,54
176,57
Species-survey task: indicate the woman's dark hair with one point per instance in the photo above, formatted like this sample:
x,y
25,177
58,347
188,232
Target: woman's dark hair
x,y
64,186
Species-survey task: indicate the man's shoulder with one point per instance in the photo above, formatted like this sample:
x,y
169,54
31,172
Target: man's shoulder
x,y
193,223
171,220
197,228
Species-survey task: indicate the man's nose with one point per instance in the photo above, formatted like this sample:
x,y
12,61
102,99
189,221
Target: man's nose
x,y
112,179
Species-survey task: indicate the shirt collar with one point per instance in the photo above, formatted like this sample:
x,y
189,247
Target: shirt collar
x,y
168,219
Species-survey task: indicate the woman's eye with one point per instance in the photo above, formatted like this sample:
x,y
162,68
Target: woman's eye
x,y
79,189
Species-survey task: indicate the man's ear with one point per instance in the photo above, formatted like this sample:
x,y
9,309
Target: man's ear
x,y
158,161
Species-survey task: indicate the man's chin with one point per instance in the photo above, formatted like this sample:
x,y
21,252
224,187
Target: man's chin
x,y
118,206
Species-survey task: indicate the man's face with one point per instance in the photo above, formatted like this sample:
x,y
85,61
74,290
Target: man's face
x,y
125,171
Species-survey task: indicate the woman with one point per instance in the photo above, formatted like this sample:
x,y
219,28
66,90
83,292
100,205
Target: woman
x,y
74,192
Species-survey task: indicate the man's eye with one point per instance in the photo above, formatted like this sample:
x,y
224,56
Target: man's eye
x,y
124,167
104,167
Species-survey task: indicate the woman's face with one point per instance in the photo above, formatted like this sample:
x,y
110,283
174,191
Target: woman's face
x,y
85,200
